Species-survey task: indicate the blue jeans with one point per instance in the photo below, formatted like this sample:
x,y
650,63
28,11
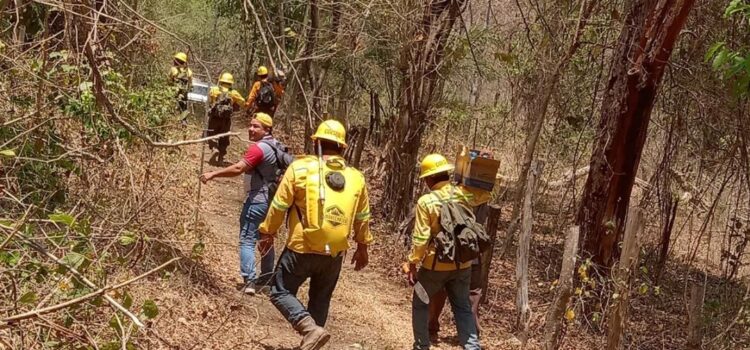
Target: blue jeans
x,y
251,217
292,270
456,284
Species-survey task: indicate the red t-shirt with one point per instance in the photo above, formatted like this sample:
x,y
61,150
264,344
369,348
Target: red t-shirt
x,y
253,156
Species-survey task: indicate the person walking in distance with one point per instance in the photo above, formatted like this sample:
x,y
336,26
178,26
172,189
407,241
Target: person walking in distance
x,y
323,200
264,160
224,101
265,93
182,77
435,271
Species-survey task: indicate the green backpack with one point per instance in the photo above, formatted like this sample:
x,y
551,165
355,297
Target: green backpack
x,y
461,238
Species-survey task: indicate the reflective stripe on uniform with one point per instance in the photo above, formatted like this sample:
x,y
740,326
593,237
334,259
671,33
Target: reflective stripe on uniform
x,y
279,205
365,215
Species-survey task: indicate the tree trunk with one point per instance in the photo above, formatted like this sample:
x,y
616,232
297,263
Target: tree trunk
x,y
493,217
648,36
523,310
557,310
537,108
618,318
419,64
695,312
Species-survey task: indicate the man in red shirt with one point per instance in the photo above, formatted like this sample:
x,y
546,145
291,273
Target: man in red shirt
x,y
259,166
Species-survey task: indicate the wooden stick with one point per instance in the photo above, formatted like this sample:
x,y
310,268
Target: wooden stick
x,y
81,299
564,291
523,310
16,228
493,217
622,274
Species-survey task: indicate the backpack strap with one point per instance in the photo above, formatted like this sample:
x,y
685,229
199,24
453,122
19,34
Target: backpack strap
x,y
275,155
432,237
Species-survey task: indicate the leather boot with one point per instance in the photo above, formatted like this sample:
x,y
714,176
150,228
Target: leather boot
x,y
313,336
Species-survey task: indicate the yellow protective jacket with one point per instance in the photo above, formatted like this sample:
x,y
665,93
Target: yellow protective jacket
x,y
181,75
278,89
427,222
237,100
320,227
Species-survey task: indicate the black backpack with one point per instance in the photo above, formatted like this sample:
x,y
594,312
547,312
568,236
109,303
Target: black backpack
x,y
266,95
461,239
283,159
222,108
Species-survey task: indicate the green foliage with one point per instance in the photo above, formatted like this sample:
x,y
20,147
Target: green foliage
x,y
733,63
150,309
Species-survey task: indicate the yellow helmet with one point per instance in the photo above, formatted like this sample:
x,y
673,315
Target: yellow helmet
x,y
262,70
331,130
181,56
226,78
264,119
434,164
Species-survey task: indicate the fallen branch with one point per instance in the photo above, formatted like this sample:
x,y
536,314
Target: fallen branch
x,y
34,313
16,228
83,279
188,142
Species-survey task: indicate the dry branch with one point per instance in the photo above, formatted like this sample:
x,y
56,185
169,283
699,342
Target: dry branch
x,y
38,312
83,279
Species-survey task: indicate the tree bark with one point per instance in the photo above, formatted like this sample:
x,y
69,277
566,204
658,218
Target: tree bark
x,y
493,218
695,312
648,36
523,310
618,318
557,310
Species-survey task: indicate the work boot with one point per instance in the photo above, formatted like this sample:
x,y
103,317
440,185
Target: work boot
x,y
249,288
313,336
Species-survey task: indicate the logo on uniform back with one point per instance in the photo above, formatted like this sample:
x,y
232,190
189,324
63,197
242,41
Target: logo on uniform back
x,y
335,215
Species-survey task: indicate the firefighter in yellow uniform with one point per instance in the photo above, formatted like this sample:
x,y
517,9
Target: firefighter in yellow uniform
x,y
265,94
182,77
323,199
434,275
223,101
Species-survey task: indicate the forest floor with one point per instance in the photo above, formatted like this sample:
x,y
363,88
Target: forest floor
x,y
368,310
371,309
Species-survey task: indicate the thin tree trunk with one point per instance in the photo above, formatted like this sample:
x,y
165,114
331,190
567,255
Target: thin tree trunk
x,y
493,218
666,237
420,84
539,107
648,36
695,312
523,309
618,318
556,311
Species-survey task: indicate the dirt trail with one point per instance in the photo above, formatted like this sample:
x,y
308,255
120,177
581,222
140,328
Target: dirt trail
x,y
367,309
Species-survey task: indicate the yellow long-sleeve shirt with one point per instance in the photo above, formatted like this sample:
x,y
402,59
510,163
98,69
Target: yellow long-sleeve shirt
x,y
255,90
182,74
427,222
349,209
237,99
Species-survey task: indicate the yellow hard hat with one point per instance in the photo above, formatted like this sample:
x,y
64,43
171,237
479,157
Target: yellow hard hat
x,y
262,70
434,164
264,119
331,130
226,78
181,56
